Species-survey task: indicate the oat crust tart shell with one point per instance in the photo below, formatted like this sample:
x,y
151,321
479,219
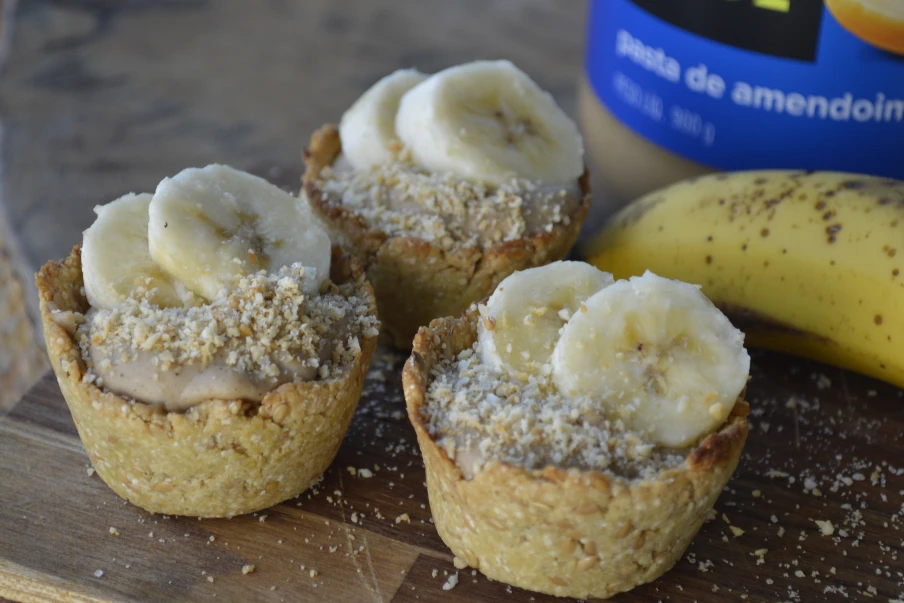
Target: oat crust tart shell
x,y
416,280
220,458
575,533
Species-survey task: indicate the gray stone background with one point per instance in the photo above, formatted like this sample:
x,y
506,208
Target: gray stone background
x,y
103,97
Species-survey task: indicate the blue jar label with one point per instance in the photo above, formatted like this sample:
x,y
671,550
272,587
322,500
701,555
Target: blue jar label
x,y
745,84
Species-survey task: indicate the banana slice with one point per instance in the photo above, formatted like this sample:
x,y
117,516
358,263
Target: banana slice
x,y
116,261
487,121
657,354
367,129
210,225
521,320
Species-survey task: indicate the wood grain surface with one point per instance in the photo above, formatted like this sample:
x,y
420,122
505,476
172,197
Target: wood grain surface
x,y
103,97
825,445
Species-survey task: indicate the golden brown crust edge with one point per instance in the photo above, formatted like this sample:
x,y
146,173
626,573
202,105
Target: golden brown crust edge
x,y
219,458
414,280
566,533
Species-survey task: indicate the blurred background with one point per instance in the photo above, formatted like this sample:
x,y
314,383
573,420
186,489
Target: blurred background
x,y
99,98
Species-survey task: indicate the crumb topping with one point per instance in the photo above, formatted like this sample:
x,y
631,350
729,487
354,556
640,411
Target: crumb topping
x,y
402,199
478,415
261,327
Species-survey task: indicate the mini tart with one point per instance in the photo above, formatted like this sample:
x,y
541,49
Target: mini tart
x,y
415,281
563,532
220,458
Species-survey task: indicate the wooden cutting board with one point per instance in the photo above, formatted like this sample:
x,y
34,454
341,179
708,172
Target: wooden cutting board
x,y
101,98
825,445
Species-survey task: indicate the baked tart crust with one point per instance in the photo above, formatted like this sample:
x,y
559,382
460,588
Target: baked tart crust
x,y
220,458
564,532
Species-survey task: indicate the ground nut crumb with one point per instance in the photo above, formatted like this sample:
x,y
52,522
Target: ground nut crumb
x,y
477,415
263,327
402,199
825,527
451,582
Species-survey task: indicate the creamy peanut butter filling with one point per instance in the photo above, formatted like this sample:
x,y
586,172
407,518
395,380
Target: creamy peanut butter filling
x,y
182,387
402,199
138,375
260,334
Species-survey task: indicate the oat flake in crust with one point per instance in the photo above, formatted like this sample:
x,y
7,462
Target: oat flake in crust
x,y
417,280
220,458
565,532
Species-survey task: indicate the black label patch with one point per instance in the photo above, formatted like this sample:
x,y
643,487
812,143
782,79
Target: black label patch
x,y
782,28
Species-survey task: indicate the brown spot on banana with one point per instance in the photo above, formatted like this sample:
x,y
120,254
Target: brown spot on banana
x,y
853,184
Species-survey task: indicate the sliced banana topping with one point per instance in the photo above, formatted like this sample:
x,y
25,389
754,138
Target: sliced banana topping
x,y
367,129
656,353
521,321
116,261
489,122
210,225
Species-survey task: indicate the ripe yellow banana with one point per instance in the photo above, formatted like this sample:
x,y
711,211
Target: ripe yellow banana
x,y
806,263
